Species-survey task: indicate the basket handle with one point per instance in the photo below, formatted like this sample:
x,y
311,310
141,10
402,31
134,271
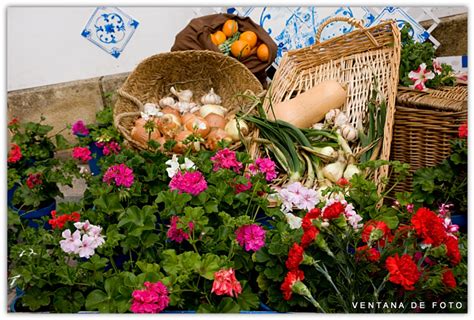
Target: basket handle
x,y
354,22
128,96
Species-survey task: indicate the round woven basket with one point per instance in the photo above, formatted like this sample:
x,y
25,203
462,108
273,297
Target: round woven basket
x,y
196,70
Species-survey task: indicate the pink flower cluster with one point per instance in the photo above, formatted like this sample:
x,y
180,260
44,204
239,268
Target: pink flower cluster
x,y
225,283
299,196
83,241
121,174
15,154
153,299
79,128
176,234
251,237
108,148
241,187
81,153
226,159
188,182
34,180
265,166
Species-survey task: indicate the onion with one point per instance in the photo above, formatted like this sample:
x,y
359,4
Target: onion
x,y
215,121
234,126
185,117
180,147
334,171
139,133
215,136
169,110
350,171
198,125
207,109
169,124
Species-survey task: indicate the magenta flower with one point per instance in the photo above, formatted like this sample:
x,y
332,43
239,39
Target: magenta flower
x,y
153,299
241,187
226,159
121,174
188,182
79,128
108,147
265,166
81,153
251,237
176,234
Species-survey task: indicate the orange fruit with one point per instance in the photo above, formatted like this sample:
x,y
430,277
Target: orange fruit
x,y
213,39
240,49
250,37
262,52
220,37
230,27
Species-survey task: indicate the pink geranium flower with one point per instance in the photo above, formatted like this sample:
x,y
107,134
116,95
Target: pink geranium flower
x,y
225,283
111,147
226,159
188,182
81,153
15,154
251,237
120,174
176,234
420,77
79,128
265,166
153,299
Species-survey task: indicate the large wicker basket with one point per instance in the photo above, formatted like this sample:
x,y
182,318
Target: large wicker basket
x,y
197,70
425,123
354,60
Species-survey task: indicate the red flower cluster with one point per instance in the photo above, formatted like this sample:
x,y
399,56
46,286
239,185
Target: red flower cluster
x,y
448,279
290,279
403,271
310,231
59,222
429,227
34,180
333,211
452,247
15,154
372,225
370,254
342,182
295,257
13,122
462,131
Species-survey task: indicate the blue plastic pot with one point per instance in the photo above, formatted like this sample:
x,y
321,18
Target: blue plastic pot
x,y
96,155
32,215
264,220
18,294
460,220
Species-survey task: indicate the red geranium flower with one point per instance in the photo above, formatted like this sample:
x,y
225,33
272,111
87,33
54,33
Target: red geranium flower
x,y
402,271
371,254
295,257
290,279
333,211
312,214
372,225
453,253
448,279
462,131
59,222
14,154
429,227
308,236
33,180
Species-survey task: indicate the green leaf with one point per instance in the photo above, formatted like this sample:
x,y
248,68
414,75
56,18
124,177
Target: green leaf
x,y
67,301
228,305
248,300
109,203
61,142
210,263
98,300
35,298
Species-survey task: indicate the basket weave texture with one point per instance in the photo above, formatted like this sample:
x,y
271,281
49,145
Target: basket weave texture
x,y
354,60
196,70
425,123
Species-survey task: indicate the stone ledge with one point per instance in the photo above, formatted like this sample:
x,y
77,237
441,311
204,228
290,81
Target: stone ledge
x,y
452,34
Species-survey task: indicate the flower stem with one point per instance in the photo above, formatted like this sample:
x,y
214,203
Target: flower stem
x,y
315,303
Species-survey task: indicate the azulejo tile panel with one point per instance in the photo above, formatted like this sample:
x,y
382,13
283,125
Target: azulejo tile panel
x,y
110,29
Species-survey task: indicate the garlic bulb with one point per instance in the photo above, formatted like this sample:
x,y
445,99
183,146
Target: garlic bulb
x,y
331,115
183,96
349,133
212,108
150,110
341,119
350,171
211,98
184,107
234,126
334,171
318,126
327,151
167,102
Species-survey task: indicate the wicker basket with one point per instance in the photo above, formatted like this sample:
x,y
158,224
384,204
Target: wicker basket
x,y
425,123
197,70
354,60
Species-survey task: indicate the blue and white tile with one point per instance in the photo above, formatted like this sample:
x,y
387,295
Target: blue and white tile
x,y
110,29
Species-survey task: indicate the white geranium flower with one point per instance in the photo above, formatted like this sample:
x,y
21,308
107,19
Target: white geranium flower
x,y
294,221
173,165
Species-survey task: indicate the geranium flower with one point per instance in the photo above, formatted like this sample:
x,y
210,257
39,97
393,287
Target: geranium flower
x,y
225,283
174,165
120,174
242,187
59,222
448,279
86,248
420,76
333,211
295,257
403,271
429,227
291,279
453,253
71,241
15,154
226,159
450,227
153,299
462,131
111,147
265,166
410,207
437,67
309,236
293,221
176,234
312,214
81,153
299,196
352,217
33,180
251,237
188,182
79,128
371,254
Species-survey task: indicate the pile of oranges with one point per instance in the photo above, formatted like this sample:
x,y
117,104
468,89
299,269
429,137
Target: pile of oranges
x,y
244,46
